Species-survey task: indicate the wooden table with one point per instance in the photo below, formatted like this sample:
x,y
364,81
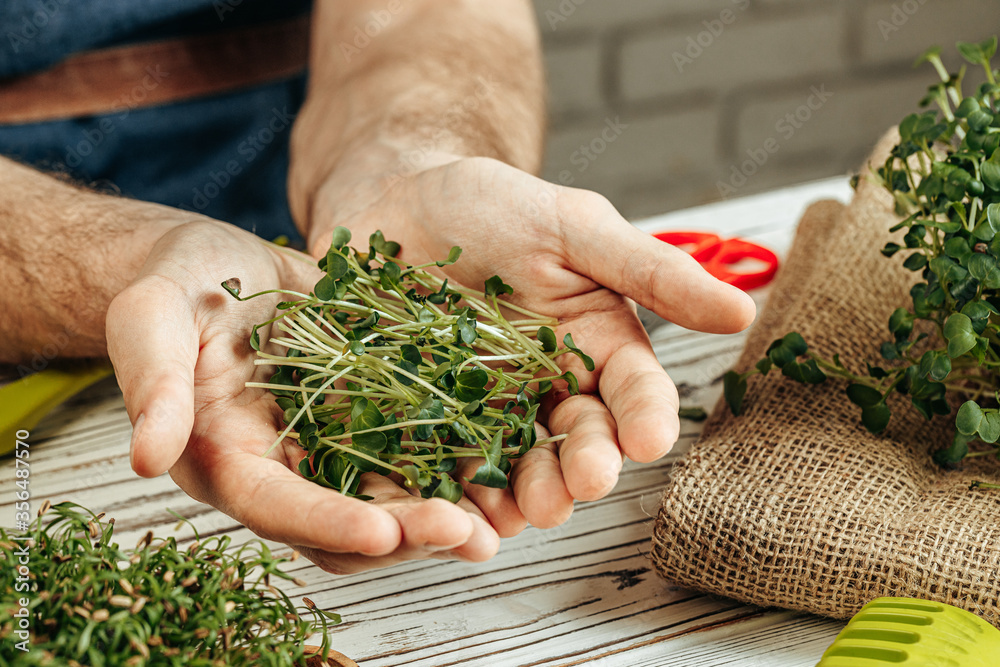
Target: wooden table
x,y
583,593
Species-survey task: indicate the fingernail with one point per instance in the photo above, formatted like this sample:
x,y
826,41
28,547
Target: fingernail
x,y
135,436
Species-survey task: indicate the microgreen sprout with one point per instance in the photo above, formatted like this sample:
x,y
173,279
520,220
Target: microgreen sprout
x,y
92,602
944,176
385,367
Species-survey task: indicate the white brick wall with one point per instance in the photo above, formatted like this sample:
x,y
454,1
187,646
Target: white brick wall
x,y
689,124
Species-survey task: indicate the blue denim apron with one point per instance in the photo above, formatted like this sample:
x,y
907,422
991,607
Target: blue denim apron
x,y
225,156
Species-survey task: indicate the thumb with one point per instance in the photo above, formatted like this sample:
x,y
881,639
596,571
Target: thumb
x,y
153,344
659,276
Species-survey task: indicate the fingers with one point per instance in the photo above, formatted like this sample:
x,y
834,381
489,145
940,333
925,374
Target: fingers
x,y
277,504
338,533
643,401
537,480
433,528
589,457
664,279
153,344
498,506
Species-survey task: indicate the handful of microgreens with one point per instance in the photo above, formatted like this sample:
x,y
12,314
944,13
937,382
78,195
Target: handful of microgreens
x,y
945,178
387,368
91,602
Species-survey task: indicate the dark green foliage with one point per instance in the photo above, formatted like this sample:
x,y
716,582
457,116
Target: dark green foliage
x,y
944,175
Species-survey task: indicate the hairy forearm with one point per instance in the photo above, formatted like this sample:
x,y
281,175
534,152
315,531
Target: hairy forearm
x,y
400,85
66,253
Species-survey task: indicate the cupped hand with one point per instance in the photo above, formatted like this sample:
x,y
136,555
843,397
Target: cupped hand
x,y
570,255
180,348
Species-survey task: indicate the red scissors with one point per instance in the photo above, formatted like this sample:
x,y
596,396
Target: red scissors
x,y
718,256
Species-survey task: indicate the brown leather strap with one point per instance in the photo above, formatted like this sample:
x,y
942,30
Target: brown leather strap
x,y
156,73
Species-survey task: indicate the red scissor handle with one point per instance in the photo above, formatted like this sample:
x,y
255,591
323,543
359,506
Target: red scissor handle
x,y
717,255
699,245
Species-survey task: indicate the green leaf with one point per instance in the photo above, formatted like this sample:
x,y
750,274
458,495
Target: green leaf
x,y
863,395
494,450
960,335
388,276
380,245
988,47
341,237
787,349
465,328
993,213
734,389
695,414
489,475
473,409
547,338
357,348
573,385
966,107
336,265
412,354
764,366
969,418
471,385
408,367
497,287
901,323
891,249
434,410
807,372
956,452
978,313
367,323
915,262
425,315
876,417
958,248
981,266
453,256
326,288
371,442
588,363
448,489
990,171
989,429
415,477
940,368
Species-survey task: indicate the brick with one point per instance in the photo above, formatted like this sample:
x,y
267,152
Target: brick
x,y
746,52
563,16
901,30
666,147
843,129
574,78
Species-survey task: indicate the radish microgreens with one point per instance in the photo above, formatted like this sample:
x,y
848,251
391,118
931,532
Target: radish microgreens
x,y
388,368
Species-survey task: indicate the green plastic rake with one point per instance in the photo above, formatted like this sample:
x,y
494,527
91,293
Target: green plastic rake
x,y
904,632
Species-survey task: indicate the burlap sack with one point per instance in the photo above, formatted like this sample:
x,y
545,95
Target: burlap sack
x,y
794,504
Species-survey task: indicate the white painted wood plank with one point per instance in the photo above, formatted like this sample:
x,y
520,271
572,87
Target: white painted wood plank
x,y
582,593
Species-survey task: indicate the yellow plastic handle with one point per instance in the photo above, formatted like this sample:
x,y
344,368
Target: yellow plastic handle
x,y
906,632
24,402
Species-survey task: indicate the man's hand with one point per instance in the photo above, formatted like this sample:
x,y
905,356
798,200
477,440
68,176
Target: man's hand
x,y
180,347
568,254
